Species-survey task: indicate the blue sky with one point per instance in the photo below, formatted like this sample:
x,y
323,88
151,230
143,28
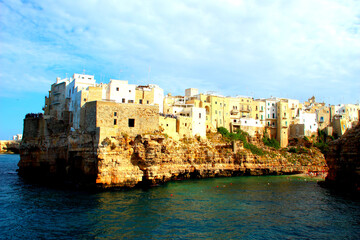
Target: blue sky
x,y
288,48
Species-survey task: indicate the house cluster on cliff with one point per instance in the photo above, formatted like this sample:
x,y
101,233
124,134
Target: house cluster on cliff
x,y
119,108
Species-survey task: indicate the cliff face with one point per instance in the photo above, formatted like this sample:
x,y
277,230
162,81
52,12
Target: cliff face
x,y
150,159
343,161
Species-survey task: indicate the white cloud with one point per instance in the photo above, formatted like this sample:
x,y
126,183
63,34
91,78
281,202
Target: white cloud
x,y
233,47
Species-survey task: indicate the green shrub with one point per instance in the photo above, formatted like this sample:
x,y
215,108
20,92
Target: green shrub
x,y
293,150
271,142
324,147
238,135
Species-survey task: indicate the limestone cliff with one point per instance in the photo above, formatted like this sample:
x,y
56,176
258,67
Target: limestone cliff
x,y
343,161
80,157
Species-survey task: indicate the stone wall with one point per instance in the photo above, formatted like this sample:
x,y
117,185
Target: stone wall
x,y
119,118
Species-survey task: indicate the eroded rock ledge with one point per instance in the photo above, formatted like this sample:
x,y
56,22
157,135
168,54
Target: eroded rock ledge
x,y
343,160
152,159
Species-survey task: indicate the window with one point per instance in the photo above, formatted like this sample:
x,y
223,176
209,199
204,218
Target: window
x,y
167,125
129,90
140,101
115,114
131,122
147,101
273,115
199,115
117,89
115,122
220,104
220,121
130,101
185,124
123,100
219,112
84,99
215,111
215,102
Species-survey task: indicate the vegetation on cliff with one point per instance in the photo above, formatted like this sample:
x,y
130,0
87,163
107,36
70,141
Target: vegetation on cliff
x,y
242,136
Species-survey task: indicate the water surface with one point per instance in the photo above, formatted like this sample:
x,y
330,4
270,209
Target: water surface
x,y
224,208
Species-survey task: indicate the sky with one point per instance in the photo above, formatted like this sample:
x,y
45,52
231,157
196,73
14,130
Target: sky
x,y
284,48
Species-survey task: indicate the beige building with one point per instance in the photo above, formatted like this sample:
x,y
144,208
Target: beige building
x,y
111,119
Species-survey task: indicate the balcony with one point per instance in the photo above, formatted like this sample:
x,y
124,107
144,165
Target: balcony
x,y
245,110
234,112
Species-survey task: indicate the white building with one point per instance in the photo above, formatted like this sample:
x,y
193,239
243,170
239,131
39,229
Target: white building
x,y
198,116
120,91
309,121
17,137
271,110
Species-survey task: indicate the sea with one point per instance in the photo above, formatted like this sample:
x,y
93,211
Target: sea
x,y
254,207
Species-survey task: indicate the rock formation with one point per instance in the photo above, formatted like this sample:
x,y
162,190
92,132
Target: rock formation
x,y
9,146
80,157
343,161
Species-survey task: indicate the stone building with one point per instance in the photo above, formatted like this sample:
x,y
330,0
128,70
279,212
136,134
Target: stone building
x,y
111,119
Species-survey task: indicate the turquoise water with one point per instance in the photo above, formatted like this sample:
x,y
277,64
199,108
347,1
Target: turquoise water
x,y
223,208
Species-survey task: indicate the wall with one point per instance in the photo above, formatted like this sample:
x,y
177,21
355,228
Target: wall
x,y
120,91
168,124
114,119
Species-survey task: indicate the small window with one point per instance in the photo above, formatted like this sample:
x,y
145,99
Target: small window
x,y
131,122
115,121
129,90
123,100
84,99
115,114
140,101
117,89
167,125
185,124
199,115
273,115
215,102
147,102
220,104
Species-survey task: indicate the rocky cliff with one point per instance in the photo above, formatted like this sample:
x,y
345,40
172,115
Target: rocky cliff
x,y
9,146
343,160
151,159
